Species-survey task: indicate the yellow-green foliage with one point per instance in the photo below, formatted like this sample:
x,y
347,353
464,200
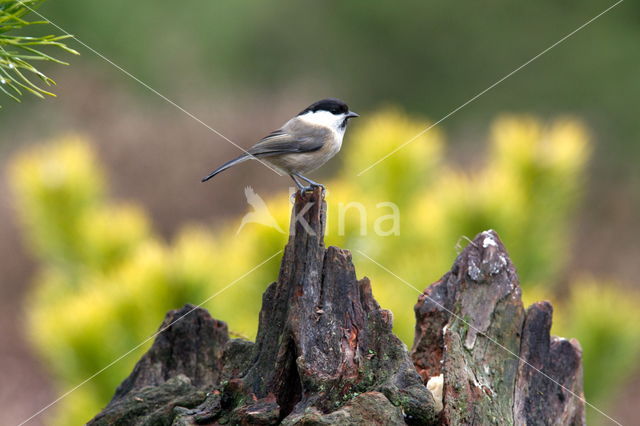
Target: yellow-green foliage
x,y
106,280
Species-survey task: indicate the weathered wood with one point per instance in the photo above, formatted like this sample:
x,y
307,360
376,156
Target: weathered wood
x,y
325,353
549,384
471,327
323,341
185,358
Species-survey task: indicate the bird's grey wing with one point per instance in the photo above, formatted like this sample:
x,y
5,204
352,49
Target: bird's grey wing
x,y
291,139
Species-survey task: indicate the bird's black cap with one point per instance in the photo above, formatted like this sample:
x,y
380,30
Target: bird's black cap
x,y
334,106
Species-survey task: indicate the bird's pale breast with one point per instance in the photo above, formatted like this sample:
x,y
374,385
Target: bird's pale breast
x,y
307,161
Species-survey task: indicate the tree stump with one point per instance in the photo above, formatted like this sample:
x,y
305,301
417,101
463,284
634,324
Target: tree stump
x,y
325,352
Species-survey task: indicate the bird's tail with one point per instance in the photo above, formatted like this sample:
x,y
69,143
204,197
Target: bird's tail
x,y
225,166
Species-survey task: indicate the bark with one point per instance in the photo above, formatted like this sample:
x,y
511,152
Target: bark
x,y
325,352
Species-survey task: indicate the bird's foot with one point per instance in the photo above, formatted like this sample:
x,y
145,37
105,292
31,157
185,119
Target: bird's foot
x,y
312,186
303,190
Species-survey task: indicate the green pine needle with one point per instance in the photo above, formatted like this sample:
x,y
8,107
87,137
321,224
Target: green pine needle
x,y
18,75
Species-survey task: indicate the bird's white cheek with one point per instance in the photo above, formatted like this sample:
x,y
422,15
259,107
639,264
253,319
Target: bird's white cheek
x,y
324,118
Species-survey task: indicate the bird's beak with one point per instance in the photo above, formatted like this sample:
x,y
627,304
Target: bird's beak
x,y
352,114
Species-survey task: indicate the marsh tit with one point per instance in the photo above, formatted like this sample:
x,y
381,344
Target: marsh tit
x,y
303,144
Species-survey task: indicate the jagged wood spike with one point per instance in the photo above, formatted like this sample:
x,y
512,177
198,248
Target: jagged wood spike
x,y
471,327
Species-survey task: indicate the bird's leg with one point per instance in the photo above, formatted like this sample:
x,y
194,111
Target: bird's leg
x,y
301,188
311,182
298,184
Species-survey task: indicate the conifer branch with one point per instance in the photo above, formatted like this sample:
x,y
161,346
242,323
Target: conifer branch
x,y
18,74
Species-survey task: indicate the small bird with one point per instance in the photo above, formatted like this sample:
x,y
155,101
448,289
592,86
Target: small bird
x,y
302,144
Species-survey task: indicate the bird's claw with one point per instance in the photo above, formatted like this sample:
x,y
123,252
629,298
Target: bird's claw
x,y
311,187
304,189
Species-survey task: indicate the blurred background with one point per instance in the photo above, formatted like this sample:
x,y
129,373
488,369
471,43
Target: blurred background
x,y
104,225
